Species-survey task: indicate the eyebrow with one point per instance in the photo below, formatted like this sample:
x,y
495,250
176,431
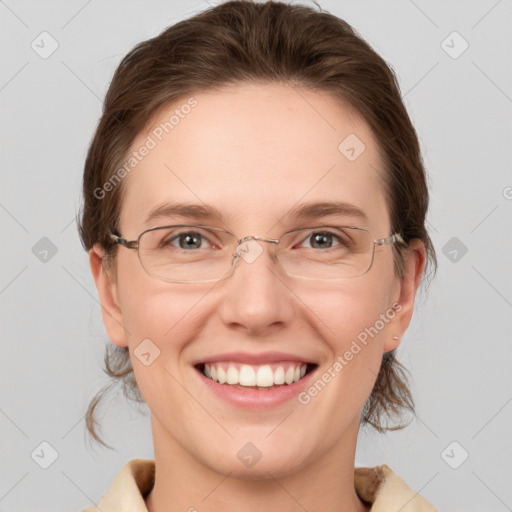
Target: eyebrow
x,y
301,212
186,210
313,210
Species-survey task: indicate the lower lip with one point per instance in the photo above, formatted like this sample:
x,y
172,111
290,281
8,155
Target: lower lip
x,y
256,398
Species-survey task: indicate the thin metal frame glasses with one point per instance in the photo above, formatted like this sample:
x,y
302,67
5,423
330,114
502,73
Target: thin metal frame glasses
x,y
351,256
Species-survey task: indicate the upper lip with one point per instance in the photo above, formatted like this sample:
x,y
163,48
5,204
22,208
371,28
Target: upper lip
x,y
251,358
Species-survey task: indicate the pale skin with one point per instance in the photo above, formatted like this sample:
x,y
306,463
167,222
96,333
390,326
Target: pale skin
x,y
254,152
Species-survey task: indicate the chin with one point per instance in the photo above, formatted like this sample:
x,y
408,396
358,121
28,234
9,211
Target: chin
x,y
258,460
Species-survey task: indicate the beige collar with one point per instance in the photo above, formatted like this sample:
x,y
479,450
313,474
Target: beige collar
x,y
377,486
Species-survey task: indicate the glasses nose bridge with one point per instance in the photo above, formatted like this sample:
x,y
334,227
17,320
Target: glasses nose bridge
x,y
241,253
240,241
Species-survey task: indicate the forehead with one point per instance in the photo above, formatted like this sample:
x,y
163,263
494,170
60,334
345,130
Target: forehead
x,y
254,152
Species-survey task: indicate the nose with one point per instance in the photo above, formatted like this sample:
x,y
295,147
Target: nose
x,y
256,297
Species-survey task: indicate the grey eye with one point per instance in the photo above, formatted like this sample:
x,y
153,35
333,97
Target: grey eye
x,y
322,240
189,240
186,240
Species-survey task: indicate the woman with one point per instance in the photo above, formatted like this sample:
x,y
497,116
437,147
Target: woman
x,y
254,212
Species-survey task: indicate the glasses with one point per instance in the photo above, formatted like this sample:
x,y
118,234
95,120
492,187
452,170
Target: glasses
x,y
187,253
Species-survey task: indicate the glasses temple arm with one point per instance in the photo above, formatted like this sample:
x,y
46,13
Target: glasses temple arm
x,y
392,239
133,244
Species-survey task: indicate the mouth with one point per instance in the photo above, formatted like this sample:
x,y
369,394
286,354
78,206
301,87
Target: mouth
x,y
264,377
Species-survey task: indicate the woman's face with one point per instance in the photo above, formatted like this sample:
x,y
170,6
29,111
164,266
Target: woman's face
x,y
257,154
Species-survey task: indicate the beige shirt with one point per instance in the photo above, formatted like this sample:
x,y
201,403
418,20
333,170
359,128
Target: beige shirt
x,y
377,486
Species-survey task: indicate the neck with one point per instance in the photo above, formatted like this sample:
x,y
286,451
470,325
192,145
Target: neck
x,y
184,483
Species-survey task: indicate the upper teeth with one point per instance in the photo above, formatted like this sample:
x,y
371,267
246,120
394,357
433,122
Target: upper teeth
x,y
261,376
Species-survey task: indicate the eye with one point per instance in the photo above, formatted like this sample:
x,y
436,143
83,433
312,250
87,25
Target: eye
x,y
323,240
187,240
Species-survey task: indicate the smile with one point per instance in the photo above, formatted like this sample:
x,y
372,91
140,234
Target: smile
x,y
265,376
255,381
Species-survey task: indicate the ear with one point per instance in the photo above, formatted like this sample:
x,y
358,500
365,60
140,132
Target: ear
x,y
107,291
414,265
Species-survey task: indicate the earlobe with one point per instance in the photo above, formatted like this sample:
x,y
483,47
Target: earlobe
x,y
107,292
414,265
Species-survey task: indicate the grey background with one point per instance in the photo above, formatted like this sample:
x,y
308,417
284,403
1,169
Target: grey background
x,y
458,348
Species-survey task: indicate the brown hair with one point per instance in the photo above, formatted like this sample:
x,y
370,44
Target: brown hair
x,y
242,41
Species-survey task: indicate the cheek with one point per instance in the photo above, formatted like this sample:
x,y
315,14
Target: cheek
x,y
358,318
161,323
166,316
356,321
157,317
352,309
151,308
